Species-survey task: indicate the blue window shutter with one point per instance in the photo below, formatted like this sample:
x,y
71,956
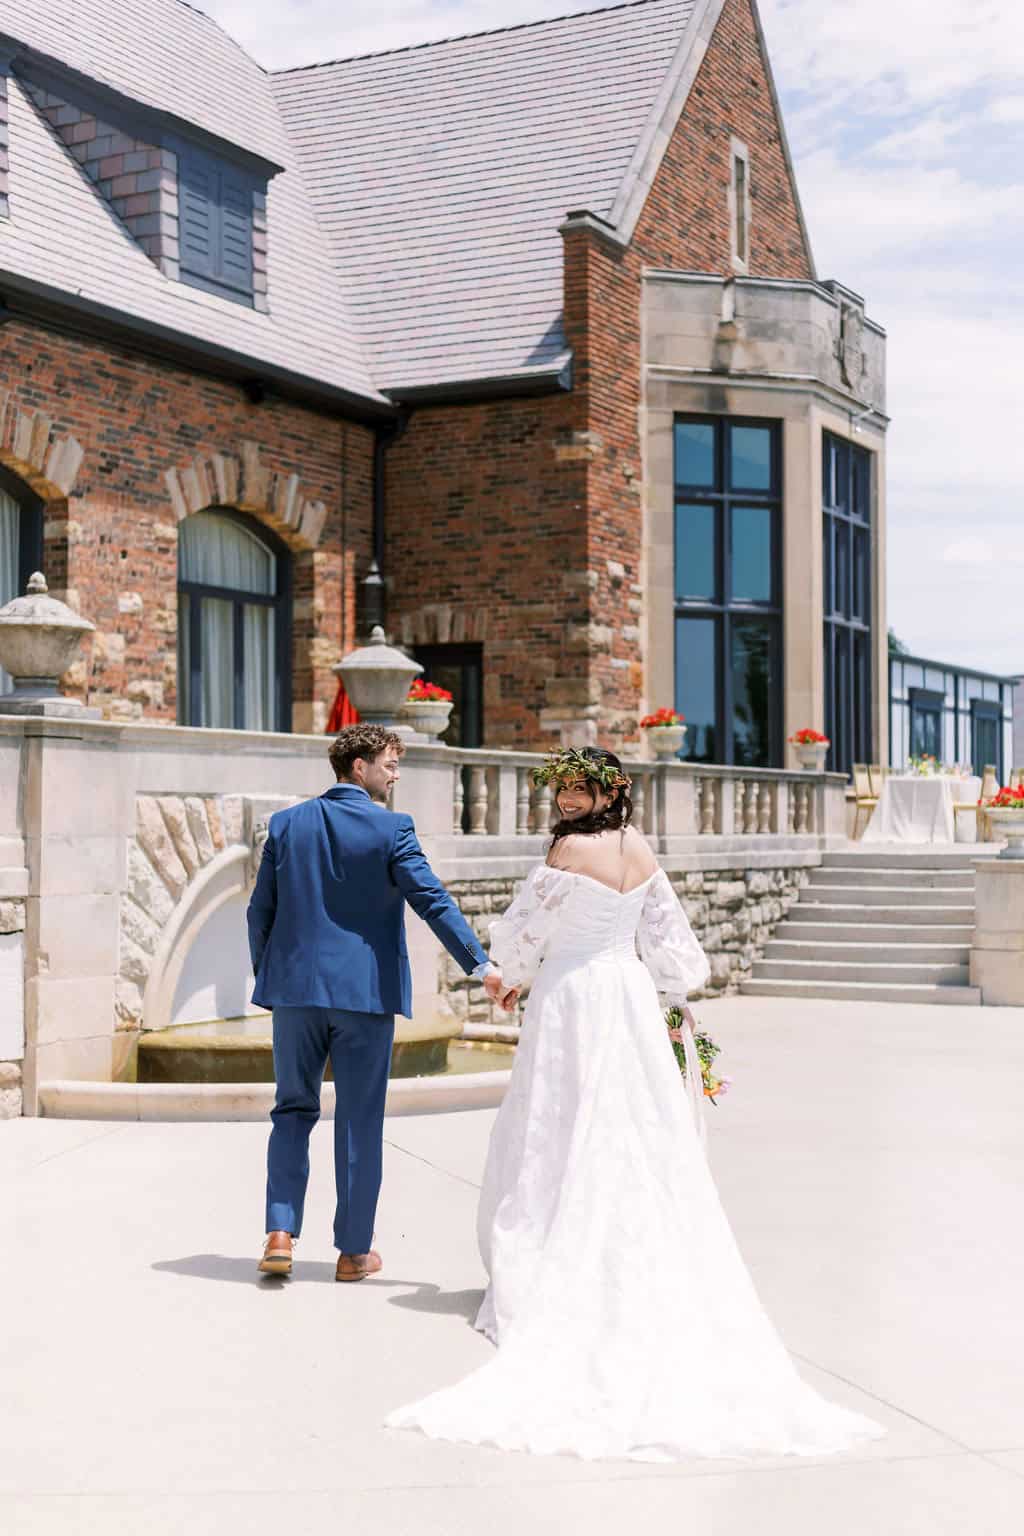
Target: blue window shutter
x,y
236,230
215,223
198,213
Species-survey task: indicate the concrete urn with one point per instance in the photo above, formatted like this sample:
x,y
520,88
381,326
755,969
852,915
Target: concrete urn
x,y
38,640
665,741
1009,824
376,679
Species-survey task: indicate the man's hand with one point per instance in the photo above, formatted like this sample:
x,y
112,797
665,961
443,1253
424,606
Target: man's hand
x,y
505,997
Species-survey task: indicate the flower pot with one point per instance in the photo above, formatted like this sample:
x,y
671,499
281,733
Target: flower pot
x,y
665,740
427,716
811,755
1009,823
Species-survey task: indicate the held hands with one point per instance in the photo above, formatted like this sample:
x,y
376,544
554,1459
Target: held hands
x,y
505,997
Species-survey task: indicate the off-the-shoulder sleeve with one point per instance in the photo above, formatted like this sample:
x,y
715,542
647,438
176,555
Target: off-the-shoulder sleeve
x,y
668,946
519,936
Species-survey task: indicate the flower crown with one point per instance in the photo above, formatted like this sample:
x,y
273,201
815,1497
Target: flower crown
x,y
571,764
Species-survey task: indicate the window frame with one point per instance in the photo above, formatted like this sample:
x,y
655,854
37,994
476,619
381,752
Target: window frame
x,y
281,602
723,609
848,520
30,532
191,155
739,205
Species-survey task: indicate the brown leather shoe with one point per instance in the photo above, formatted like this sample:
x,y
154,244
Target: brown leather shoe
x,y
277,1254
356,1266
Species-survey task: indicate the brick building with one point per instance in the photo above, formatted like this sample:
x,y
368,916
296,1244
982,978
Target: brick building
x,y
530,317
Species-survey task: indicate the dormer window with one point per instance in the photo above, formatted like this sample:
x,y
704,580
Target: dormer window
x,y
739,205
217,203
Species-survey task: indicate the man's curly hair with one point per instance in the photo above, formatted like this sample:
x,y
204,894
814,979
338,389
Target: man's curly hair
x,y
365,741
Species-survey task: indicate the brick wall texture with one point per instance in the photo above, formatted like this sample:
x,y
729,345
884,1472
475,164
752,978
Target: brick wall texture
x,y
111,547
534,507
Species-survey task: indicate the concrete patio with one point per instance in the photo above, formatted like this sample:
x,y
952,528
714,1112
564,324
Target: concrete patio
x,y
870,1157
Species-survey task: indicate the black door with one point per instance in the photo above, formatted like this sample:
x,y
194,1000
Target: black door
x,y
460,669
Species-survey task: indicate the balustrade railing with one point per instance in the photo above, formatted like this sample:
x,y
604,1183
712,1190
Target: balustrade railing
x,y
493,794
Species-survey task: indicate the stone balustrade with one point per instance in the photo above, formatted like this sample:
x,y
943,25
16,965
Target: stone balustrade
x,y
127,853
493,795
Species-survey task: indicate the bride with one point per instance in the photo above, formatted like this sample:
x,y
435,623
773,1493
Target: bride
x,y
625,1320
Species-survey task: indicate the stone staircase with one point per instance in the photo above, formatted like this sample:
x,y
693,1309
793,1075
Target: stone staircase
x,y
885,926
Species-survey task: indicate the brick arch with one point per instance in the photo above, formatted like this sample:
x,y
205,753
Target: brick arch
x,y
242,481
47,461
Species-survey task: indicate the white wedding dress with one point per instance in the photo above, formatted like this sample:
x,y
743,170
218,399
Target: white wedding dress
x,y
626,1322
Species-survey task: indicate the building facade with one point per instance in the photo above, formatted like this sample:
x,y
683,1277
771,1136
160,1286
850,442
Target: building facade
x,y
529,318
952,714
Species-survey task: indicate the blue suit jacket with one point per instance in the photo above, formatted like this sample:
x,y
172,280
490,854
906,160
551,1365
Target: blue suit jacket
x,y
327,917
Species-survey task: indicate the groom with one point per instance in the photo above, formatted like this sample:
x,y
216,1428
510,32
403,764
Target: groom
x,y
327,939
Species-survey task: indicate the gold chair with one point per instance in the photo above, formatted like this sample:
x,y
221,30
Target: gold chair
x,y
876,778
865,800
989,787
1016,774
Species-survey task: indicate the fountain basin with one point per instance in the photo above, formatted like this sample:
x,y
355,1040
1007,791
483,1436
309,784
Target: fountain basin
x,y
241,1051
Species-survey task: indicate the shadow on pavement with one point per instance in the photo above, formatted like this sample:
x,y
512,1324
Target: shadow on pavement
x,y
218,1266
431,1298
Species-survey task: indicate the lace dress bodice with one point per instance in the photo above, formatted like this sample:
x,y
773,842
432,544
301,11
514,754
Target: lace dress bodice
x,y
560,917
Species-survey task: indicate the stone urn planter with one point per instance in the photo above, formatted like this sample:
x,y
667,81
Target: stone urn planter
x,y
376,679
1009,824
38,640
428,717
665,741
810,754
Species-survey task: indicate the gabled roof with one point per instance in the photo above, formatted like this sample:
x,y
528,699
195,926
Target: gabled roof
x,y
63,242
164,54
440,175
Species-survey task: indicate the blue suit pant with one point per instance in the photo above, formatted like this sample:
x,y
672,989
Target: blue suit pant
x,y
359,1046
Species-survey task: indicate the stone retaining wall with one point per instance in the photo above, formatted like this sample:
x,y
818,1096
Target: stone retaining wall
x,y
733,913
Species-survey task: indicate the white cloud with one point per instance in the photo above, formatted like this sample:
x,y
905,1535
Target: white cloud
x,y
969,551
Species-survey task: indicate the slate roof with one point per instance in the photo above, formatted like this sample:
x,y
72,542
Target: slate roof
x,y
62,239
414,230
440,175
163,53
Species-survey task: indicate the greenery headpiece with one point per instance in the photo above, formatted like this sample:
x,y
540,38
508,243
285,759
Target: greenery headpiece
x,y
572,764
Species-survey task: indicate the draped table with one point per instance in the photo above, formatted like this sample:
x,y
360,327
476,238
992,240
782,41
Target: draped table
x,y
918,808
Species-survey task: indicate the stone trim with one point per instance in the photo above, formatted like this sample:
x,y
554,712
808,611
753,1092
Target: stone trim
x,y
444,624
49,464
241,481
12,920
190,853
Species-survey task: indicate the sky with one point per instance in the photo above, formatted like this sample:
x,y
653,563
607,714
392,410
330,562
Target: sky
x,y
906,122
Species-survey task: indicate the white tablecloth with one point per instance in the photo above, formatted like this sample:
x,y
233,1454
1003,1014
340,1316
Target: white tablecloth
x,y
913,808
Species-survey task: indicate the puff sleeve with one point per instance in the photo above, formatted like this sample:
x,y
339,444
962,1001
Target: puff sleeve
x,y
519,936
668,945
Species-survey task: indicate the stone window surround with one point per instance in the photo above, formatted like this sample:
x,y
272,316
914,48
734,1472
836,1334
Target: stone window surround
x,y
738,151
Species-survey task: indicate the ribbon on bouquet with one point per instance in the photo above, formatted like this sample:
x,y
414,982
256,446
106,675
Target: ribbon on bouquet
x,y
694,1083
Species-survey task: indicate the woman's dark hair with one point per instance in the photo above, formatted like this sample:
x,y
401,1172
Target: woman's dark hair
x,y
618,814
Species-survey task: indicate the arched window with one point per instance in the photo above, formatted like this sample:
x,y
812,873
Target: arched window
x,y
233,624
21,544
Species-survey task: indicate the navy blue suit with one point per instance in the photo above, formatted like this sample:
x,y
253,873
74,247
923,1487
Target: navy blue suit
x,y
327,940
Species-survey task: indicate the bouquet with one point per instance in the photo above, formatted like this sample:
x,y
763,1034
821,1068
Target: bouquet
x,y
707,1050
805,737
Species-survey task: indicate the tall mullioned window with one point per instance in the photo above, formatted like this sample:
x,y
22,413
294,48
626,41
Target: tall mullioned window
x,y
233,624
847,531
728,597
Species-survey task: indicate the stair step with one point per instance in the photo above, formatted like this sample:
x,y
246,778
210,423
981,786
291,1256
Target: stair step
x,y
905,912
870,953
886,895
918,858
886,879
862,991
860,970
803,927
